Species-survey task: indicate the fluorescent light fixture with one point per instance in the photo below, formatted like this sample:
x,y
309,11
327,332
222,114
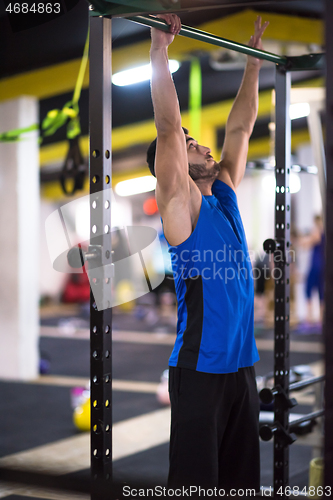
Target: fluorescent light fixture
x,y
268,183
136,186
299,110
139,74
312,169
295,182
82,219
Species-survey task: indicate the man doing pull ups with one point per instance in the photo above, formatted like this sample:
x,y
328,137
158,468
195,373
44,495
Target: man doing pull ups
x,y
214,401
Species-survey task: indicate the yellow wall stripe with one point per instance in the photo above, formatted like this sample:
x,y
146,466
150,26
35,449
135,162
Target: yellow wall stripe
x,y
259,148
214,115
61,78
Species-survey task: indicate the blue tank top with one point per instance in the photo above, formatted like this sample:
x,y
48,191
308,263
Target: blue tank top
x,y
215,291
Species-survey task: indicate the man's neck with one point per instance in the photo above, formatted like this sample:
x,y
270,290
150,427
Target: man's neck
x,y
205,186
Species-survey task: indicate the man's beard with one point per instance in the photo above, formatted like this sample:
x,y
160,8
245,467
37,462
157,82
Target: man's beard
x,y
201,172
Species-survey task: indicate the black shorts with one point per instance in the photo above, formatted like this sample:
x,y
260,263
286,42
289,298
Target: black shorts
x,y
214,429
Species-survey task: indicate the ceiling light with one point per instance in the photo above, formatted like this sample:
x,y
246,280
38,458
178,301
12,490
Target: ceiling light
x,y
136,186
295,182
312,169
139,74
268,183
299,110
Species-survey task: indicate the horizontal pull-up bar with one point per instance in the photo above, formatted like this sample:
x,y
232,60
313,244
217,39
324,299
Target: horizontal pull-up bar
x,y
309,61
203,36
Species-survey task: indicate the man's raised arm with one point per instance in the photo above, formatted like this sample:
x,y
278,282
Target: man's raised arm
x,y
170,136
171,164
242,117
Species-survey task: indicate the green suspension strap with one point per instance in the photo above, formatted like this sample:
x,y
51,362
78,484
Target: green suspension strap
x,y
74,169
15,135
57,118
195,98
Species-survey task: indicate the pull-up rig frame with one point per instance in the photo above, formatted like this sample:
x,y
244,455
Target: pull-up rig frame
x,y
100,217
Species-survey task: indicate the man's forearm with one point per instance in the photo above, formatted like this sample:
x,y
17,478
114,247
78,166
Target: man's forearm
x,y
244,111
164,96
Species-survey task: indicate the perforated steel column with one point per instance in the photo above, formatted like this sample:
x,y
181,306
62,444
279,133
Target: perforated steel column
x,y
282,274
100,266
328,321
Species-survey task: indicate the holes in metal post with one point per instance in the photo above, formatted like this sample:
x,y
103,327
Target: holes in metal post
x,y
95,404
97,429
94,229
95,153
94,204
95,179
107,329
107,154
106,229
107,403
95,329
107,204
96,355
107,354
107,179
107,254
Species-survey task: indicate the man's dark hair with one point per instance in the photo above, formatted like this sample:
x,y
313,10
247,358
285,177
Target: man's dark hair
x,y
151,152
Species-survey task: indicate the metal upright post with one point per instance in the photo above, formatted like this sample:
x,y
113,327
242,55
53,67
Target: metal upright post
x,y
282,275
100,256
328,321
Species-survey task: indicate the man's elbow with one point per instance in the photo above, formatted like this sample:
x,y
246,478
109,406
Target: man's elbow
x,y
167,126
241,130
